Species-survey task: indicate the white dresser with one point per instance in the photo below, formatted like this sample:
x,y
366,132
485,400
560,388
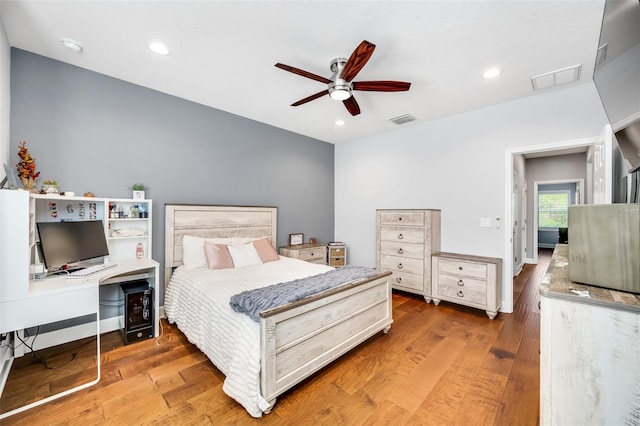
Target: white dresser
x,y
405,240
589,346
467,280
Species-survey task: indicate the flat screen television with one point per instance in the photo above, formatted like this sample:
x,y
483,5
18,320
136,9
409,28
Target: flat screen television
x,y
64,244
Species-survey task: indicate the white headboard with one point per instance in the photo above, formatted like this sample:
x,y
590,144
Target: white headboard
x,y
208,221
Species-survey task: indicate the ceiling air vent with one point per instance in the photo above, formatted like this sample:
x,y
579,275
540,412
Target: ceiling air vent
x,y
556,78
401,119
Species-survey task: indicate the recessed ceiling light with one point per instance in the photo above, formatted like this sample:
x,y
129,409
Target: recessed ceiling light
x,y
491,73
339,122
159,48
73,45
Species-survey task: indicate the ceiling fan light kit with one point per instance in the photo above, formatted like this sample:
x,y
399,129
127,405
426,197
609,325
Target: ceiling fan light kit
x,y
340,86
339,89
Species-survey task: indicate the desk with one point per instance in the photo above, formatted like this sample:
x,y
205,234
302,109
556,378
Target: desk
x,y
59,298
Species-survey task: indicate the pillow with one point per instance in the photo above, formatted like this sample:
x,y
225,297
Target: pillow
x,y
218,256
244,255
193,255
265,250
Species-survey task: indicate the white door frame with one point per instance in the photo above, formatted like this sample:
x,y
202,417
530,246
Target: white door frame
x,y
507,280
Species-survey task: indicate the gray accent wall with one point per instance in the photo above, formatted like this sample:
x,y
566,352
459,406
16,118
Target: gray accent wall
x,y
91,132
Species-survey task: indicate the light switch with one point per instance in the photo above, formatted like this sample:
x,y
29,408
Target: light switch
x,y
485,222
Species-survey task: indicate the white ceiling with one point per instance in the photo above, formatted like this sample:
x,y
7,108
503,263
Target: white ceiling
x,y
223,52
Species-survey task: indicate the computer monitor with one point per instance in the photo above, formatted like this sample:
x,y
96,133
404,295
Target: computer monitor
x,y
64,244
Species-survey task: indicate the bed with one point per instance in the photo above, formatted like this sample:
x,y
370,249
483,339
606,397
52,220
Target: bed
x,y
261,360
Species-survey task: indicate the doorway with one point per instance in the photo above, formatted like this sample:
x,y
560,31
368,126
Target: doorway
x,y
546,235
514,157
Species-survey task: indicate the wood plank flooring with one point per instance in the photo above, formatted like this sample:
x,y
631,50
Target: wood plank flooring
x,y
439,365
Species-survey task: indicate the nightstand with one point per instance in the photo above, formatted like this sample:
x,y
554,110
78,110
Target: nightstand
x,y
337,255
474,281
314,253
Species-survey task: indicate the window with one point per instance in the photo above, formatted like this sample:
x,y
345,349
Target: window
x,y
553,209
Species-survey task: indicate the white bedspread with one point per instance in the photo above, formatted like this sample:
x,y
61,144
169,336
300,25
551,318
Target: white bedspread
x,y
197,300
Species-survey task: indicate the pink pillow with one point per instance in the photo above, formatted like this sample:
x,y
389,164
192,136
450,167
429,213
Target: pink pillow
x,y
265,250
218,256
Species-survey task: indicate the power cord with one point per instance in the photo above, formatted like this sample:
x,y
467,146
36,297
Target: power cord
x,y
44,361
161,332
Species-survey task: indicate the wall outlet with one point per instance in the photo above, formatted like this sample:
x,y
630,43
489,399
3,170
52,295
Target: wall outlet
x,y
485,222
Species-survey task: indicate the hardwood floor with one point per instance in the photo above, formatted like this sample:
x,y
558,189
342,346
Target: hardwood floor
x,y
440,365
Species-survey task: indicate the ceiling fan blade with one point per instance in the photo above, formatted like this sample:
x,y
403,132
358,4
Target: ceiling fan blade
x,y
357,60
303,73
352,106
381,86
310,98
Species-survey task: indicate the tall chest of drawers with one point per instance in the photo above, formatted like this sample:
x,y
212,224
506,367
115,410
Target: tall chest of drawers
x,y
405,240
474,281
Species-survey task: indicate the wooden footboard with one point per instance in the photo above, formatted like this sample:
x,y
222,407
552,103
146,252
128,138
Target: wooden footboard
x,y
300,338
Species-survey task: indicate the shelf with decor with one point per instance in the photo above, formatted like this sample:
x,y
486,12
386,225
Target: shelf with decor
x,y
129,227
123,231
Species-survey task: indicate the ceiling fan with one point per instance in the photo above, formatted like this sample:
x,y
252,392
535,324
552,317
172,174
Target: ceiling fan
x,y
340,86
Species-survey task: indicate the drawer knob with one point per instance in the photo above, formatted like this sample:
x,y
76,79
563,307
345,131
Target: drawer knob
x,y
460,268
460,283
460,294
400,236
399,265
312,253
400,218
400,251
399,280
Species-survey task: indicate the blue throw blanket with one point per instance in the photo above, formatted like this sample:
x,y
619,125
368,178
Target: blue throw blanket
x,y
252,302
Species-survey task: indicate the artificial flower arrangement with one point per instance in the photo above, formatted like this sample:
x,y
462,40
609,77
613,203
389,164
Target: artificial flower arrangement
x,y
27,167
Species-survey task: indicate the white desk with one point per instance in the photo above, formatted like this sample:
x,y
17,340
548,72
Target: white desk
x,y
59,298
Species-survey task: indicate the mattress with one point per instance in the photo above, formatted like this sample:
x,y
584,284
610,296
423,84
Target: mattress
x,y
197,301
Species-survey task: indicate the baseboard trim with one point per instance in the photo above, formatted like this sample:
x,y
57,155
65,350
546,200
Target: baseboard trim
x,y
543,245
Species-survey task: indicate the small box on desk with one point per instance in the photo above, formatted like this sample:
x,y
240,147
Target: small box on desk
x,y
604,246
138,311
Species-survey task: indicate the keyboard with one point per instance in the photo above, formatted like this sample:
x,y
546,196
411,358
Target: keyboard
x,y
81,273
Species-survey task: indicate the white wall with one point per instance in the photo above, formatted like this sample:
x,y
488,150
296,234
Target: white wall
x,y
5,97
456,164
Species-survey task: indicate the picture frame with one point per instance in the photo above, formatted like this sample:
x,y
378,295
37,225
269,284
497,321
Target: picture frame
x,y
12,181
296,239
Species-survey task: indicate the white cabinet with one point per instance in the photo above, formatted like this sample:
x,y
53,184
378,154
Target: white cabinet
x,y
468,280
404,244
16,238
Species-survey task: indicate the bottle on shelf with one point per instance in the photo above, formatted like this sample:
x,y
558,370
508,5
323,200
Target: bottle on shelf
x,y
139,251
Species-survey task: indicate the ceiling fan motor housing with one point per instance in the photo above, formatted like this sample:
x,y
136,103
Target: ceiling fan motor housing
x,y
339,89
